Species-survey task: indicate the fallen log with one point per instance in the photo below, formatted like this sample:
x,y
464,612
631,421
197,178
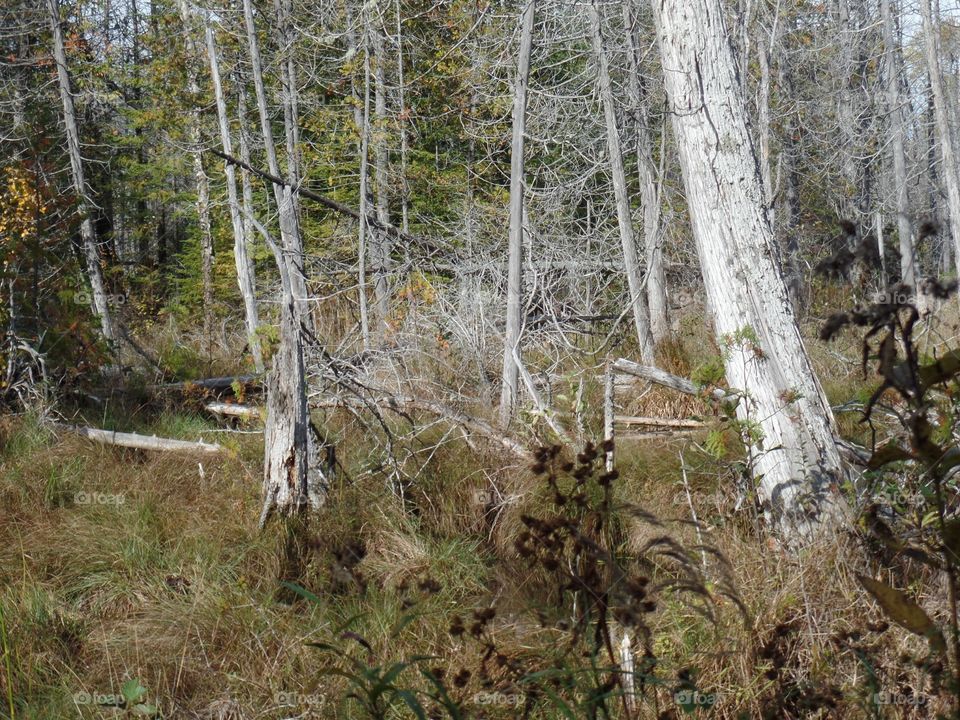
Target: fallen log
x,y
680,423
674,382
142,442
851,452
233,410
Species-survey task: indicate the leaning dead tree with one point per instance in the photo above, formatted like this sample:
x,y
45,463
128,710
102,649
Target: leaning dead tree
x,y
783,410
246,279
638,293
88,233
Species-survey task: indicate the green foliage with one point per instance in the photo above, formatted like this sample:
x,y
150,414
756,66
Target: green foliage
x,y
710,372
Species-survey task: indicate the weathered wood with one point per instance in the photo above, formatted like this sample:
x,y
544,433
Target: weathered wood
x,y
628,244
246,278
142,442
84,203
680,423
233,410
662,377
509,383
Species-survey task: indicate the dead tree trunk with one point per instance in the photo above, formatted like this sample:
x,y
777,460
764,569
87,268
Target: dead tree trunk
x,y
87,232
511,339
786,418
245,275
897,126
291,476
931,36
656,279
380,241
638,300
363,226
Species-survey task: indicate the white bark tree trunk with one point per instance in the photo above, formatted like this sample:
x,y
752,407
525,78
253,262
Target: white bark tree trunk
x,y
931,36
245,275
363,227
897,122
292,480
88,235
784,412
511,340
380,241
638,300
656,279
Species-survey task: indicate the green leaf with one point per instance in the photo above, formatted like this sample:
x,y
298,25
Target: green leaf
x,y
145,710
133,691
301,591
904,611
412,703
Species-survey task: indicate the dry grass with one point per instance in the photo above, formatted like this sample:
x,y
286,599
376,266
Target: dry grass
x,y
162,576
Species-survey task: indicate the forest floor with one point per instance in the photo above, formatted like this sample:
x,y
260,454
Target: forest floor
x,y
120,565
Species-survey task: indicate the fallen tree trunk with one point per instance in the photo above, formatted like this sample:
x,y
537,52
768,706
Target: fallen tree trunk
x,y
142,442
662,377
233,410
851,452
679,423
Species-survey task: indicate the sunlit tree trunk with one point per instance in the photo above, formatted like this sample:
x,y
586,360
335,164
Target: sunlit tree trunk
x,y
379,240
292,480
656,278
784,413
897,151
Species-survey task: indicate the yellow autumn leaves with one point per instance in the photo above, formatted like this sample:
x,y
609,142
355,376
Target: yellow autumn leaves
x,y
21,206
